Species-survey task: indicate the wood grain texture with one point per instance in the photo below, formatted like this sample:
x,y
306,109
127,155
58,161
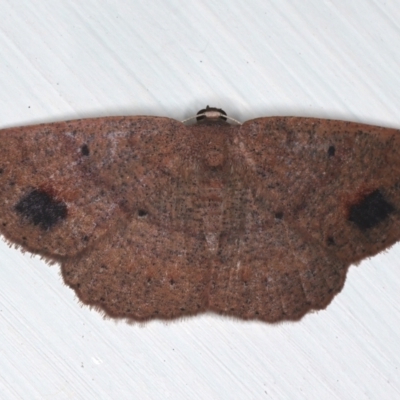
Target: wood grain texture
x,y
150,218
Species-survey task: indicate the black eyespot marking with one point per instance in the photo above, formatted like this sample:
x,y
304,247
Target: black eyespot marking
x,y
142,213
85,150
1,170
41,209
331,151
279,215
370,211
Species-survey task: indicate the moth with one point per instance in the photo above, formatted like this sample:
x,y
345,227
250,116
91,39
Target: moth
x,y
150,218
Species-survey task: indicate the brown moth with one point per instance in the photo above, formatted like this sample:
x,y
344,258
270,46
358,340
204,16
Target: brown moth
x,y
150,218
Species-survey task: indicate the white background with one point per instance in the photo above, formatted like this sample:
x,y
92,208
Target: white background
x,y
72,59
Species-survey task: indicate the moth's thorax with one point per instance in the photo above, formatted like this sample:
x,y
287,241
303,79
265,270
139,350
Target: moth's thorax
x,y
213,142
213,177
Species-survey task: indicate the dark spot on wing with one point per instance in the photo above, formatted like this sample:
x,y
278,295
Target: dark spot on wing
x,y
41,209
142,213
331,151
370,211
85,150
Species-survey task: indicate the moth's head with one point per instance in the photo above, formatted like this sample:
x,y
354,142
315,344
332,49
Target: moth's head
x,y
211,114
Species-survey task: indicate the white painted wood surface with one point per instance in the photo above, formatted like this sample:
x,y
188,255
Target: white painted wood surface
x,y
73,59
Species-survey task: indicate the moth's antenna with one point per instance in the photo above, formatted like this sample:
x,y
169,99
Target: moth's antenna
x,y
212,114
